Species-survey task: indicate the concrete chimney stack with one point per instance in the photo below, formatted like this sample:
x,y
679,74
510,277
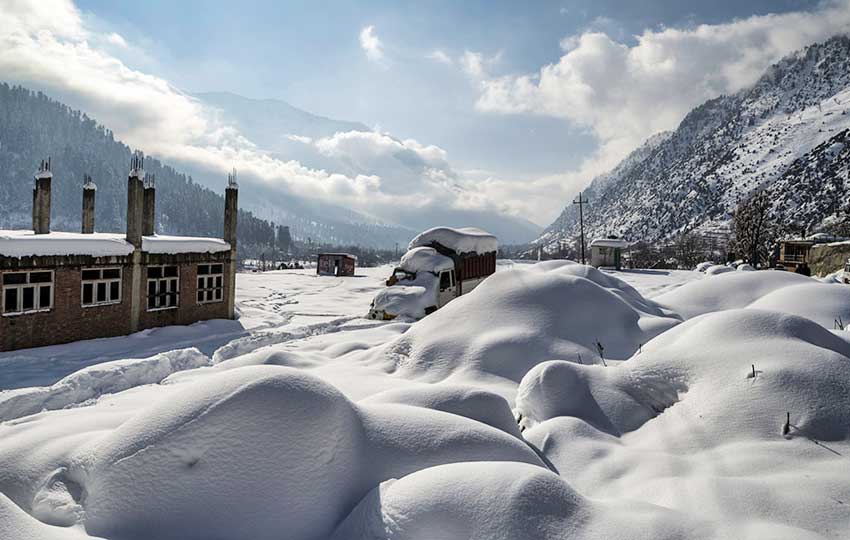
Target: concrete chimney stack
x,y
89,191
135,201
41,199
149,218
231,212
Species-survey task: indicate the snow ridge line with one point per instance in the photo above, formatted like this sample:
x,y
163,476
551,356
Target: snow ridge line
x,y
95,381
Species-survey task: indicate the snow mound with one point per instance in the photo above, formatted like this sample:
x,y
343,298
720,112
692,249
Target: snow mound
x,y
97,380
744,267
409,300
821,302
518,318
463,240
425,259
253,451
500,501
470,402
245,454
729,291
718,269
703,266
15,524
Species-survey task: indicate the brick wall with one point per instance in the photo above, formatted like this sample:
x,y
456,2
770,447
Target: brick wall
x,y
67,320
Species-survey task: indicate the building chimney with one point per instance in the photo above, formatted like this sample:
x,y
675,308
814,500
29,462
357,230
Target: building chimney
x,y
231,210
149,218
89,191
41,199
135,201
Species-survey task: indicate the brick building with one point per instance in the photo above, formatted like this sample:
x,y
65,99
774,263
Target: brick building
x,y
59,287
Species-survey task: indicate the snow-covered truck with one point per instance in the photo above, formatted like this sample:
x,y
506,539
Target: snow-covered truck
x,y
441,264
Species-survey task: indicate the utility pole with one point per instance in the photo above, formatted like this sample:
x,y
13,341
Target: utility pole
x,y
581,202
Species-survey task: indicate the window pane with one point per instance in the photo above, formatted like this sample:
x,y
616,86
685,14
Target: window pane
x,y
200,296
89,275
217,269
218,294
112,273
28,298
203,269
200,283
209,296
44,296
210,283
88,293
41,277
218,281
151,302
172,285
10,303
115,291
151,288
169,271
14,279
154,272
162,286
172,299
101,292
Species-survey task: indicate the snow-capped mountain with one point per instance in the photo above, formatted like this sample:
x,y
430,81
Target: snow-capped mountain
x,y
788,134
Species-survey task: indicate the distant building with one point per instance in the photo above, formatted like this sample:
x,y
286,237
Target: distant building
x,y
607,252
336,264
796,252
59,287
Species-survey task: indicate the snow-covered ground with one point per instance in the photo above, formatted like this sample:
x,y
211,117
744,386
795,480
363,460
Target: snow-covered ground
x,y
554,401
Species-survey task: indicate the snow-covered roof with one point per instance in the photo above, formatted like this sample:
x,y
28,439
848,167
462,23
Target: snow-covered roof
x,y
463,240
425,259
25,243
183,244
609,242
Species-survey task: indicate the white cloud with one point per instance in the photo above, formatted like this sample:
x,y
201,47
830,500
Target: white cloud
x,y
371,44
371,172
116,39
624,94
441,57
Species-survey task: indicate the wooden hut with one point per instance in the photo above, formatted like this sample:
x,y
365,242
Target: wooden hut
x,y
336,264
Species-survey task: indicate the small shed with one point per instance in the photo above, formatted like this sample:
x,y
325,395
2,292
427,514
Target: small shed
x,y
607,252
336,264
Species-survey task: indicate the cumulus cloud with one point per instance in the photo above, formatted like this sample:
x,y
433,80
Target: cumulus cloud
x,y
441,57
371,44
624,94
47,45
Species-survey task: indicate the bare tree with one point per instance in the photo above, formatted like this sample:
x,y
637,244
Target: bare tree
x,y
755,228
690,249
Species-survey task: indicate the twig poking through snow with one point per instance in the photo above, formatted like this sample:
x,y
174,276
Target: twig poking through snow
x,y
786,429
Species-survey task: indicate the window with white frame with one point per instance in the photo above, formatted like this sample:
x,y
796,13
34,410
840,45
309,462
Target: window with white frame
x,y
210,283
27,292
163,287
101,286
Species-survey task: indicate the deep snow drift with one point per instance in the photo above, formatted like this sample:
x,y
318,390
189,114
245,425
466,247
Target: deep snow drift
x,y
496,417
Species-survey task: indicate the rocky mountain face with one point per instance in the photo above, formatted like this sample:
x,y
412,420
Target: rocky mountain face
x,y
787,134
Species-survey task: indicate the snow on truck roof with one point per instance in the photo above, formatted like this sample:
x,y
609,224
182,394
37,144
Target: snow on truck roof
x,y
425,259
609,242
25,243
463,240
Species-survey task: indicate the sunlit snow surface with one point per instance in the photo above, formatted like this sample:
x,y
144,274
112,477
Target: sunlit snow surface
x,y
303,420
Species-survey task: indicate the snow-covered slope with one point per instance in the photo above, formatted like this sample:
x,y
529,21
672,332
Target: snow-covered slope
x,y
722,411
788,133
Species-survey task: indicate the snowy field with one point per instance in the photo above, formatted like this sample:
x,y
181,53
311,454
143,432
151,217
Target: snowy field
x,y
553,402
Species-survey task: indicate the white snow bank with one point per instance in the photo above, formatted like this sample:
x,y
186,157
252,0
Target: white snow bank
x,y
703,266
518,318
729,291
183,244
502,501
467,401
821,302
23,243
425,259
715,269
254,451
97,380
463,240
15,524
744,267
408,298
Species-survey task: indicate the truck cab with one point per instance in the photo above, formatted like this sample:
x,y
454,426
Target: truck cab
x,y
440,265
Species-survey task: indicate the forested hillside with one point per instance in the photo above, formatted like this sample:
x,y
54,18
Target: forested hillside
x,y
33,127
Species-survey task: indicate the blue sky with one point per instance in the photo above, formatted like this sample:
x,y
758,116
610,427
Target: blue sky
x,y
308,54
504,108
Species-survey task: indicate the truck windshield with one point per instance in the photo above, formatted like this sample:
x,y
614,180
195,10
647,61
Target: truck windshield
x,y
445,280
